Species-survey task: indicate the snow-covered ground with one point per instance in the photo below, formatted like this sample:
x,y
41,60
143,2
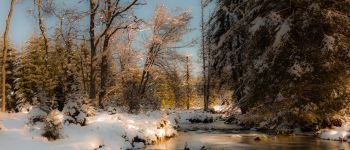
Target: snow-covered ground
x,y
338,133
103,131
194,116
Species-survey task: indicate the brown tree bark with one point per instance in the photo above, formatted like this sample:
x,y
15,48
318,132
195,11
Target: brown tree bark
x,y
188,81
8,21
93,9
109,31
43,33
205,84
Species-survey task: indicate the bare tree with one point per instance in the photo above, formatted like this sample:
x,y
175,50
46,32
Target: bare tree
x,y
8,22
111,27
165,36
114,19
166,31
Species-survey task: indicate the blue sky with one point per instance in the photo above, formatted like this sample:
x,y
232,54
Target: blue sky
x,y
23,24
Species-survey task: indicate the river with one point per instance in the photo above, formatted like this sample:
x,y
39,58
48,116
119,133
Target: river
x,y
226,137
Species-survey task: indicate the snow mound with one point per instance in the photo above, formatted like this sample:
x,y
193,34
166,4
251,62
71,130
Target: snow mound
x,y
196,116
339,133
194,145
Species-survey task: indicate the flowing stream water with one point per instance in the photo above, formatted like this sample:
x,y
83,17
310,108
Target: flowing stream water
x,y
226,137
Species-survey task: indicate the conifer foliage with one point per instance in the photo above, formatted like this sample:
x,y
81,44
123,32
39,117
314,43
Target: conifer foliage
x,y
284,57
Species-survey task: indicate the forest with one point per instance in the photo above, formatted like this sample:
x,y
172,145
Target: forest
x,y
184,74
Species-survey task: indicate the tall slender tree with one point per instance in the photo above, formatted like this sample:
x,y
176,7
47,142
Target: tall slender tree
x,y
188,86
204,57
8,22
42,28
93,10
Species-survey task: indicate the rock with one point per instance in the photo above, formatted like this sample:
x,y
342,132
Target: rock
x,y
194,145
236,136
253,129
261,138
138,145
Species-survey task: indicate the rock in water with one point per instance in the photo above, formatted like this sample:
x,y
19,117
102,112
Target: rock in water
x,y
261,138
194,145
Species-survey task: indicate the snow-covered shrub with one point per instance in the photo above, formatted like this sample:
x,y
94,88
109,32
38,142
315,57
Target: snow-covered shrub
x,y
37,115
167,126
77,109
338,133
26,107
197,116
53,125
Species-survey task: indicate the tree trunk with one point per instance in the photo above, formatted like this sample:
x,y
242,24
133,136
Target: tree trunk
x,y
82,68
104,59
43,33
92,92
205,90
8,21
104,71
188,81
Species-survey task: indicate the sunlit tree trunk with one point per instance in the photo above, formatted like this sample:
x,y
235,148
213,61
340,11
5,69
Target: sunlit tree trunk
x,y
43,33
8,21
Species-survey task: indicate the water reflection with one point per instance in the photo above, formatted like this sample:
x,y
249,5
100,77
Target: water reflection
x,y
245,141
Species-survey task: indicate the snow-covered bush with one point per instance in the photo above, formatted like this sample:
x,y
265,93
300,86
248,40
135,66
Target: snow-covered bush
x,y
24,108
37,115
53,125
77,109
338,133
196,116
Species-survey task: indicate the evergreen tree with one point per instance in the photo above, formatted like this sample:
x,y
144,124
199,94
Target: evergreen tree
x,y
288,58
11,66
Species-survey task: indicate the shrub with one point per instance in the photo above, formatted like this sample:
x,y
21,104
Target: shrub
x,y
53,125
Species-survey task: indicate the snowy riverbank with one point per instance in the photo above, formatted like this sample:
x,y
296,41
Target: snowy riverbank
x,y
338,133
104,131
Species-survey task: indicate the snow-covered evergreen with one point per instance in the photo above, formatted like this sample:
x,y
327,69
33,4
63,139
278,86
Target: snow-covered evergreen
x,y
282,57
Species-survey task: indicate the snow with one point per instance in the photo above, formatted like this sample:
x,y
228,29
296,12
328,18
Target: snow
x,y
227,110
257,23
105,131
298,69
328,42
283,30
193,144
221,108
195,116
339,133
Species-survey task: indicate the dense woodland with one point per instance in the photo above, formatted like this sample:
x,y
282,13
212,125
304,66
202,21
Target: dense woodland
x,y
285,64
288,60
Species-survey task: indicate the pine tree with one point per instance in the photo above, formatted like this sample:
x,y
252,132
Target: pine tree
x,y
11,67
32,75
